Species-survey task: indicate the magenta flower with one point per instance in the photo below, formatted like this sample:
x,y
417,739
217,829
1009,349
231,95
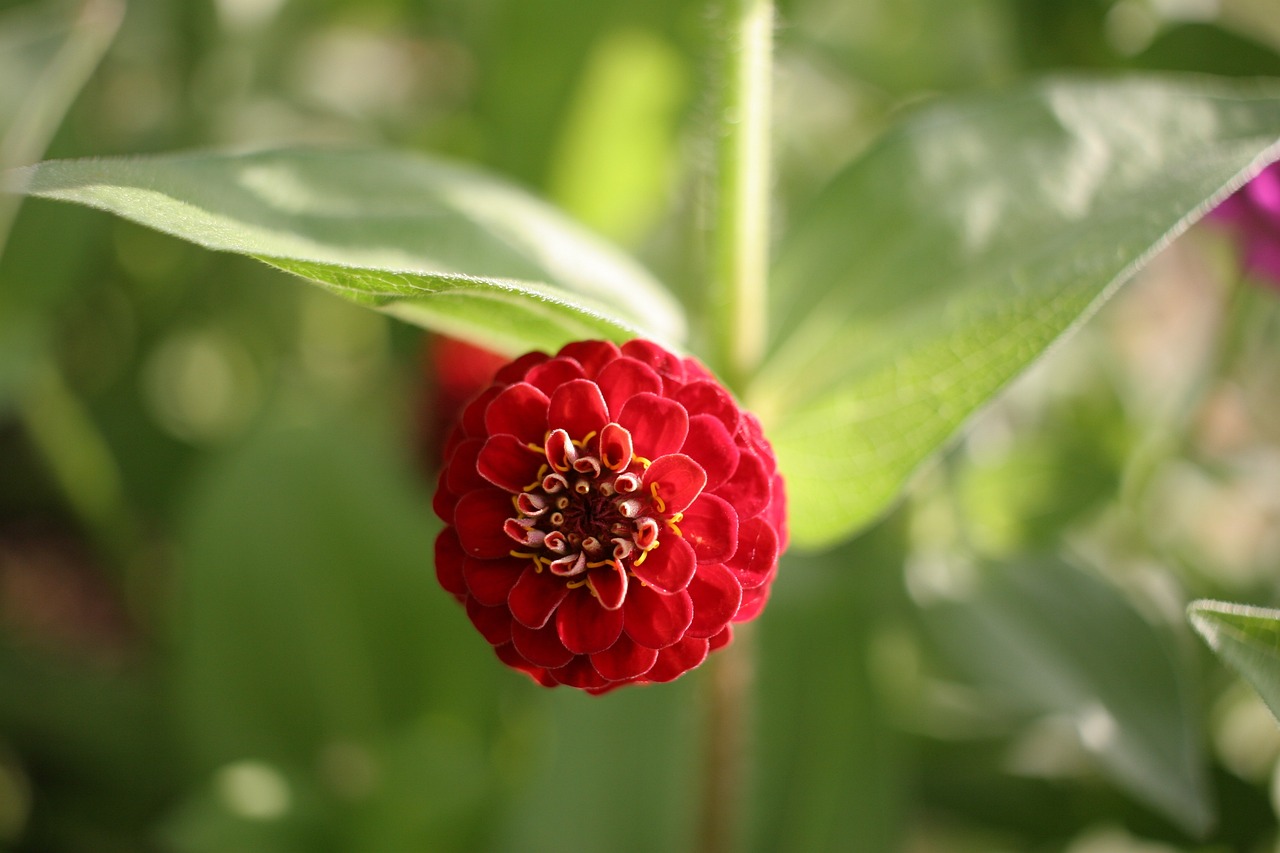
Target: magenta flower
x,y
609,514
1254,212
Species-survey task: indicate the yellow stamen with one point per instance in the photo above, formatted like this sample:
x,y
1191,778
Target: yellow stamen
x,y
542,471
662,505
576,584
638,458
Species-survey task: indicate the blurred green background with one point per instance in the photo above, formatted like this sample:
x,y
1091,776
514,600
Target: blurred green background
x,y
219,624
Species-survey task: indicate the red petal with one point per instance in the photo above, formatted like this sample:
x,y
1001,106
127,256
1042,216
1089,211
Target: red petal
x,y
776,514
492,622
658,426
450,559
756,560
753,601
749,487
520,410
535,596
579,673
507,462
578,408
592,355
479,518
507,654
472,421
584,626
624,660
624,378
709,398
550,375
654,620
541,646
666,364
615,447
444,502
461,475
716,596
724,638
678,481
674,661
516,370
490,581
609,583
753,434
710,526
710,445
695,370
669,567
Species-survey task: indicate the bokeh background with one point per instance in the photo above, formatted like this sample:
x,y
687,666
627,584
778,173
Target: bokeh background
x,y
219,625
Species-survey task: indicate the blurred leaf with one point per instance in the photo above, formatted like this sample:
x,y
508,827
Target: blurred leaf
x,y
629,764
46,55
445,246
1055,640
309,612
953,254
617,148
831,769
1246,637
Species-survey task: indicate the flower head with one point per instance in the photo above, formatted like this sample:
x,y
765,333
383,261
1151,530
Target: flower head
x,y
453,372
1254,212
609,513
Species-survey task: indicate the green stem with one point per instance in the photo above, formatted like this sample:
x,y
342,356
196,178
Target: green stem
x,y
740,251
728,721
739,269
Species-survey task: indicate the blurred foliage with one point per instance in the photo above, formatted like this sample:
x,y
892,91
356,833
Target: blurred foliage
x,y
218,624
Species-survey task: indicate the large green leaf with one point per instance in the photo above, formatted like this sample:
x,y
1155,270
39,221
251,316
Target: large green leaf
x,y
47,52
443,245
960,247
1054,640
1246,637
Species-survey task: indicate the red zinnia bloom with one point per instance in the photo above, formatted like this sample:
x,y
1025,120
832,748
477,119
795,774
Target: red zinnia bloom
x,y
609,513
453,373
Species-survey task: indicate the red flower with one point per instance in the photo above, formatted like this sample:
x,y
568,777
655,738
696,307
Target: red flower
x,y
453,372
609,513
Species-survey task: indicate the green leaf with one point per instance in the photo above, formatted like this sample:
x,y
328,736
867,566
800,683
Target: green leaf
x,y
960,247
1055,640
51,54
1246,637
438,244
309,612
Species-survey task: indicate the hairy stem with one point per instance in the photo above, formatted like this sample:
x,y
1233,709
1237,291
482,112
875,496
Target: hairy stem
x,y
740,250
726,736
739,267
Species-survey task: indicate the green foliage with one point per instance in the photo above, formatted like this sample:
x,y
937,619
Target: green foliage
x,y
951,256
390,230
1246,637
1054,640
218,624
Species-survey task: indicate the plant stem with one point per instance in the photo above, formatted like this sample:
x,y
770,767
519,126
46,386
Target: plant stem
x,y
728,685
740,250
739,269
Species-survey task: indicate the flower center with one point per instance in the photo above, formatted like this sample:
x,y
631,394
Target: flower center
x,y
587,517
